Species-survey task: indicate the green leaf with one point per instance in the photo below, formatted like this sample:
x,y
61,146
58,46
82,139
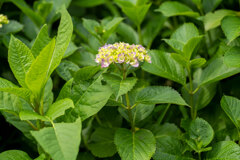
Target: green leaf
x,y
101,143
66,90
175,8
198,62
12,27
201,132
118,85
7,86
231,31
14,155
190,46
39,71
36,18
60,141
185,32
169,147
152,29
91,26
58,108
127,33
226,150
232,57
71,49
217,71
213,20
30,115
111,26
136,12
164,66
88,3
209,6
159,94
64,35
139,145
86,73
180,59
92,99
66,69
231,107
20,59
41,41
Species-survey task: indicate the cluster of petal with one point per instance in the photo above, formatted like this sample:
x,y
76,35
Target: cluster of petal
x,y
122,53
3,20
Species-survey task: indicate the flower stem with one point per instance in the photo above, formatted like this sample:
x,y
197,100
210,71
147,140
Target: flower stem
x,y
191,92
159,121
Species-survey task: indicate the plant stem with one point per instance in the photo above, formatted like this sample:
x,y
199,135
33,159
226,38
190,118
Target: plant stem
x,y
159,121
193,108
139,34
129,110
199,155
32,125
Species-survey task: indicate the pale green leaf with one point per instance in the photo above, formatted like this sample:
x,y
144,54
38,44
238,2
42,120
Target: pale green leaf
x,y
31,115
198,62
139,145
60,141
14,155
38,73
64,35
58,108
231,27
118,85
159,94
232,57
175,8
231,107
41,41
213,20
7,86
101,142
217,71
164,66
226,150
20,59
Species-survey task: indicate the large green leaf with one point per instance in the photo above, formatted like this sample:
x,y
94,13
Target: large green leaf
x,y
66,90
127,33
213,20
111,26
20,59
7,86
64,34
118,85
139,145
231,107
232,57
135,11
101,142
165,66
60,141
88,3
175,8
217,71
226,150
209,6
159,94
14,155
231,31
30,115
92,99
41,41
39,72
201,132
86,73
58,108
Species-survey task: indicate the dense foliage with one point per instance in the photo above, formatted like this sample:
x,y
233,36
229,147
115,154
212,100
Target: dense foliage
x,y
119,79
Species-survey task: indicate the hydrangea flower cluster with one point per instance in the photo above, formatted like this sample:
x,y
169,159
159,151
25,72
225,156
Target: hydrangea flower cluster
x,y
3,20
122,53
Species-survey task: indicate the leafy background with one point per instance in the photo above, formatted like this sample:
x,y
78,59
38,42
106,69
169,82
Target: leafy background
x,y
189,40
